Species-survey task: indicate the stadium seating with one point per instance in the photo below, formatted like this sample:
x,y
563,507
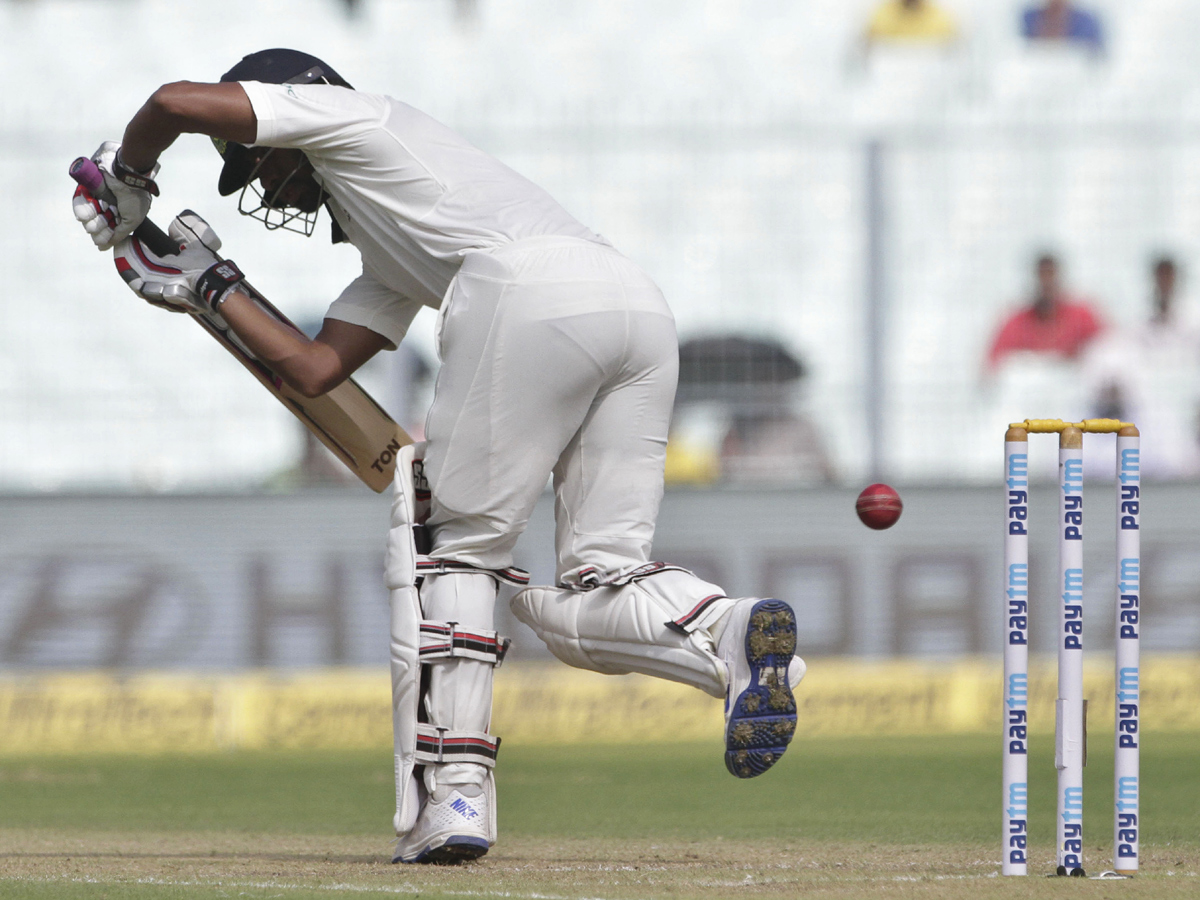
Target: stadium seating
x,y
720,144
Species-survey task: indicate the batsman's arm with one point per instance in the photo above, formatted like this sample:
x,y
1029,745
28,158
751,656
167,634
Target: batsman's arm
x,y
223,110
219,110
312,368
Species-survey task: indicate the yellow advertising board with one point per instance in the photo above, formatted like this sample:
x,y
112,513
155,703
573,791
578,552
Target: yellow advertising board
x,y
546,703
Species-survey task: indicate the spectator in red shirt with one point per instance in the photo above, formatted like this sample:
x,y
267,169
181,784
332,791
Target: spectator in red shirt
x,y
1054,322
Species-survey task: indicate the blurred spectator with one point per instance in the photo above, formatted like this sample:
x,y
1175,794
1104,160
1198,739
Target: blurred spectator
x,y
737,417
911,21
1063,21
775,446
691,458
1149,374
1052,323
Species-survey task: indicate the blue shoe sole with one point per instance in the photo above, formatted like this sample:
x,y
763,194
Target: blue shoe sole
x,y
457,849
763,717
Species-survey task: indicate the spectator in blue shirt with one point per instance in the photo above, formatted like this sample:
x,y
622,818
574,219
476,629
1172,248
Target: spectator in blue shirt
x,y
1061,20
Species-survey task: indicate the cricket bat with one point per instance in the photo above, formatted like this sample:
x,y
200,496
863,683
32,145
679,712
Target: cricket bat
x,y
347,419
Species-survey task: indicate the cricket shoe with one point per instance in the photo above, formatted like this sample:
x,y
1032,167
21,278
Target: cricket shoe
x,y
452,827
759,647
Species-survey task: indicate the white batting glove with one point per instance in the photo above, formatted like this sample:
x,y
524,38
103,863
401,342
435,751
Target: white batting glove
x,y
194,280
189,228
96,216
131,193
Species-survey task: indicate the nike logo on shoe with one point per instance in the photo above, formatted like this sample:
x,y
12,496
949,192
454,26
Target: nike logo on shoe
x,y
463,808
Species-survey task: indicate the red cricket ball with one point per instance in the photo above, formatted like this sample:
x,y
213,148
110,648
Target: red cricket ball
x,y
879,506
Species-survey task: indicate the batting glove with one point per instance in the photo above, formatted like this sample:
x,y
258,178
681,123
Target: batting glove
x,y
131,193
96,216
194,280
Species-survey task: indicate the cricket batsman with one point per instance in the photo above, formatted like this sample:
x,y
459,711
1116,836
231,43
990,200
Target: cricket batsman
x,y
559,358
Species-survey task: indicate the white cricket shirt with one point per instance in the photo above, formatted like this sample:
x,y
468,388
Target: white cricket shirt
x,y
413,196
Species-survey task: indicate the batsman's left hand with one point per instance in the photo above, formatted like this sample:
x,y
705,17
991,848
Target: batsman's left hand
x,y
126,199
96,216
194,280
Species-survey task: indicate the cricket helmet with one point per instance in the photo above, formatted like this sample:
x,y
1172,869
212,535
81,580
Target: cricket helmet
x,y
278,66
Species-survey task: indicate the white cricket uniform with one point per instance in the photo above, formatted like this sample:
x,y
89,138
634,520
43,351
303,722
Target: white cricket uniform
x,y
557,352
559,356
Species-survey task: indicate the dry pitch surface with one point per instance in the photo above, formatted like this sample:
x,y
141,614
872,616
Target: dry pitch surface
x,y
863,818
40,863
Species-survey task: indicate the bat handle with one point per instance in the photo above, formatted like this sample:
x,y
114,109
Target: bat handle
x,y
87,173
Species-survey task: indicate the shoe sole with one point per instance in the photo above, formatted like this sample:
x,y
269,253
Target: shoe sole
x,y
457,849
762,719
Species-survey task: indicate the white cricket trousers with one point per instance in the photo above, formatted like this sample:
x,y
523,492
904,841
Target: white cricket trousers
x,y
559,356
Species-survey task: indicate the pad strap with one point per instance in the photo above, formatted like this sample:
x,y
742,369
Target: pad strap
x,y
437,746
511,575
445,640
590,578
685,623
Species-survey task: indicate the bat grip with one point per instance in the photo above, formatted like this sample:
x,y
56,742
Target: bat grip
x,y
88,174
159,242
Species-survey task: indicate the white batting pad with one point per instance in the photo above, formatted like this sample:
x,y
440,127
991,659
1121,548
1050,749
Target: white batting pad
x,y
405,645
460,688
656,625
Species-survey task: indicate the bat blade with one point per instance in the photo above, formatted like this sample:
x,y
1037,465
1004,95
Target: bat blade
x,y
347,419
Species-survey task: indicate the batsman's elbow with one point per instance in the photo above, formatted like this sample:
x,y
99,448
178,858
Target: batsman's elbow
x,y
170,99
318,366
221,110
313,384
173,105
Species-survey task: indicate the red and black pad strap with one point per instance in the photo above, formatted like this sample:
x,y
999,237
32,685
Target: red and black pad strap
x,y
446,640
438,746
685,623
510,575
590,577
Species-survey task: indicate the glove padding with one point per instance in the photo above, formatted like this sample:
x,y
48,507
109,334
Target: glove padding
x,y
194,280
96,216
112,219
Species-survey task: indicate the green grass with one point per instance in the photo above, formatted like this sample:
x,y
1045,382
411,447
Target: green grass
x,y
314,793
844,818
894,790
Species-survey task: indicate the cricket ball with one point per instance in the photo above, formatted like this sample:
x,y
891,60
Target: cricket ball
x,y
879,506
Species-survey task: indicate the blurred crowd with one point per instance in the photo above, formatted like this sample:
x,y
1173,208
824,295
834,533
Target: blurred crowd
x,y
924,21
1131,358
743,413
1143,369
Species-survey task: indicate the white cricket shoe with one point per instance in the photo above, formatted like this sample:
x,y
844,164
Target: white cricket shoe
x,y
452,827
758,645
